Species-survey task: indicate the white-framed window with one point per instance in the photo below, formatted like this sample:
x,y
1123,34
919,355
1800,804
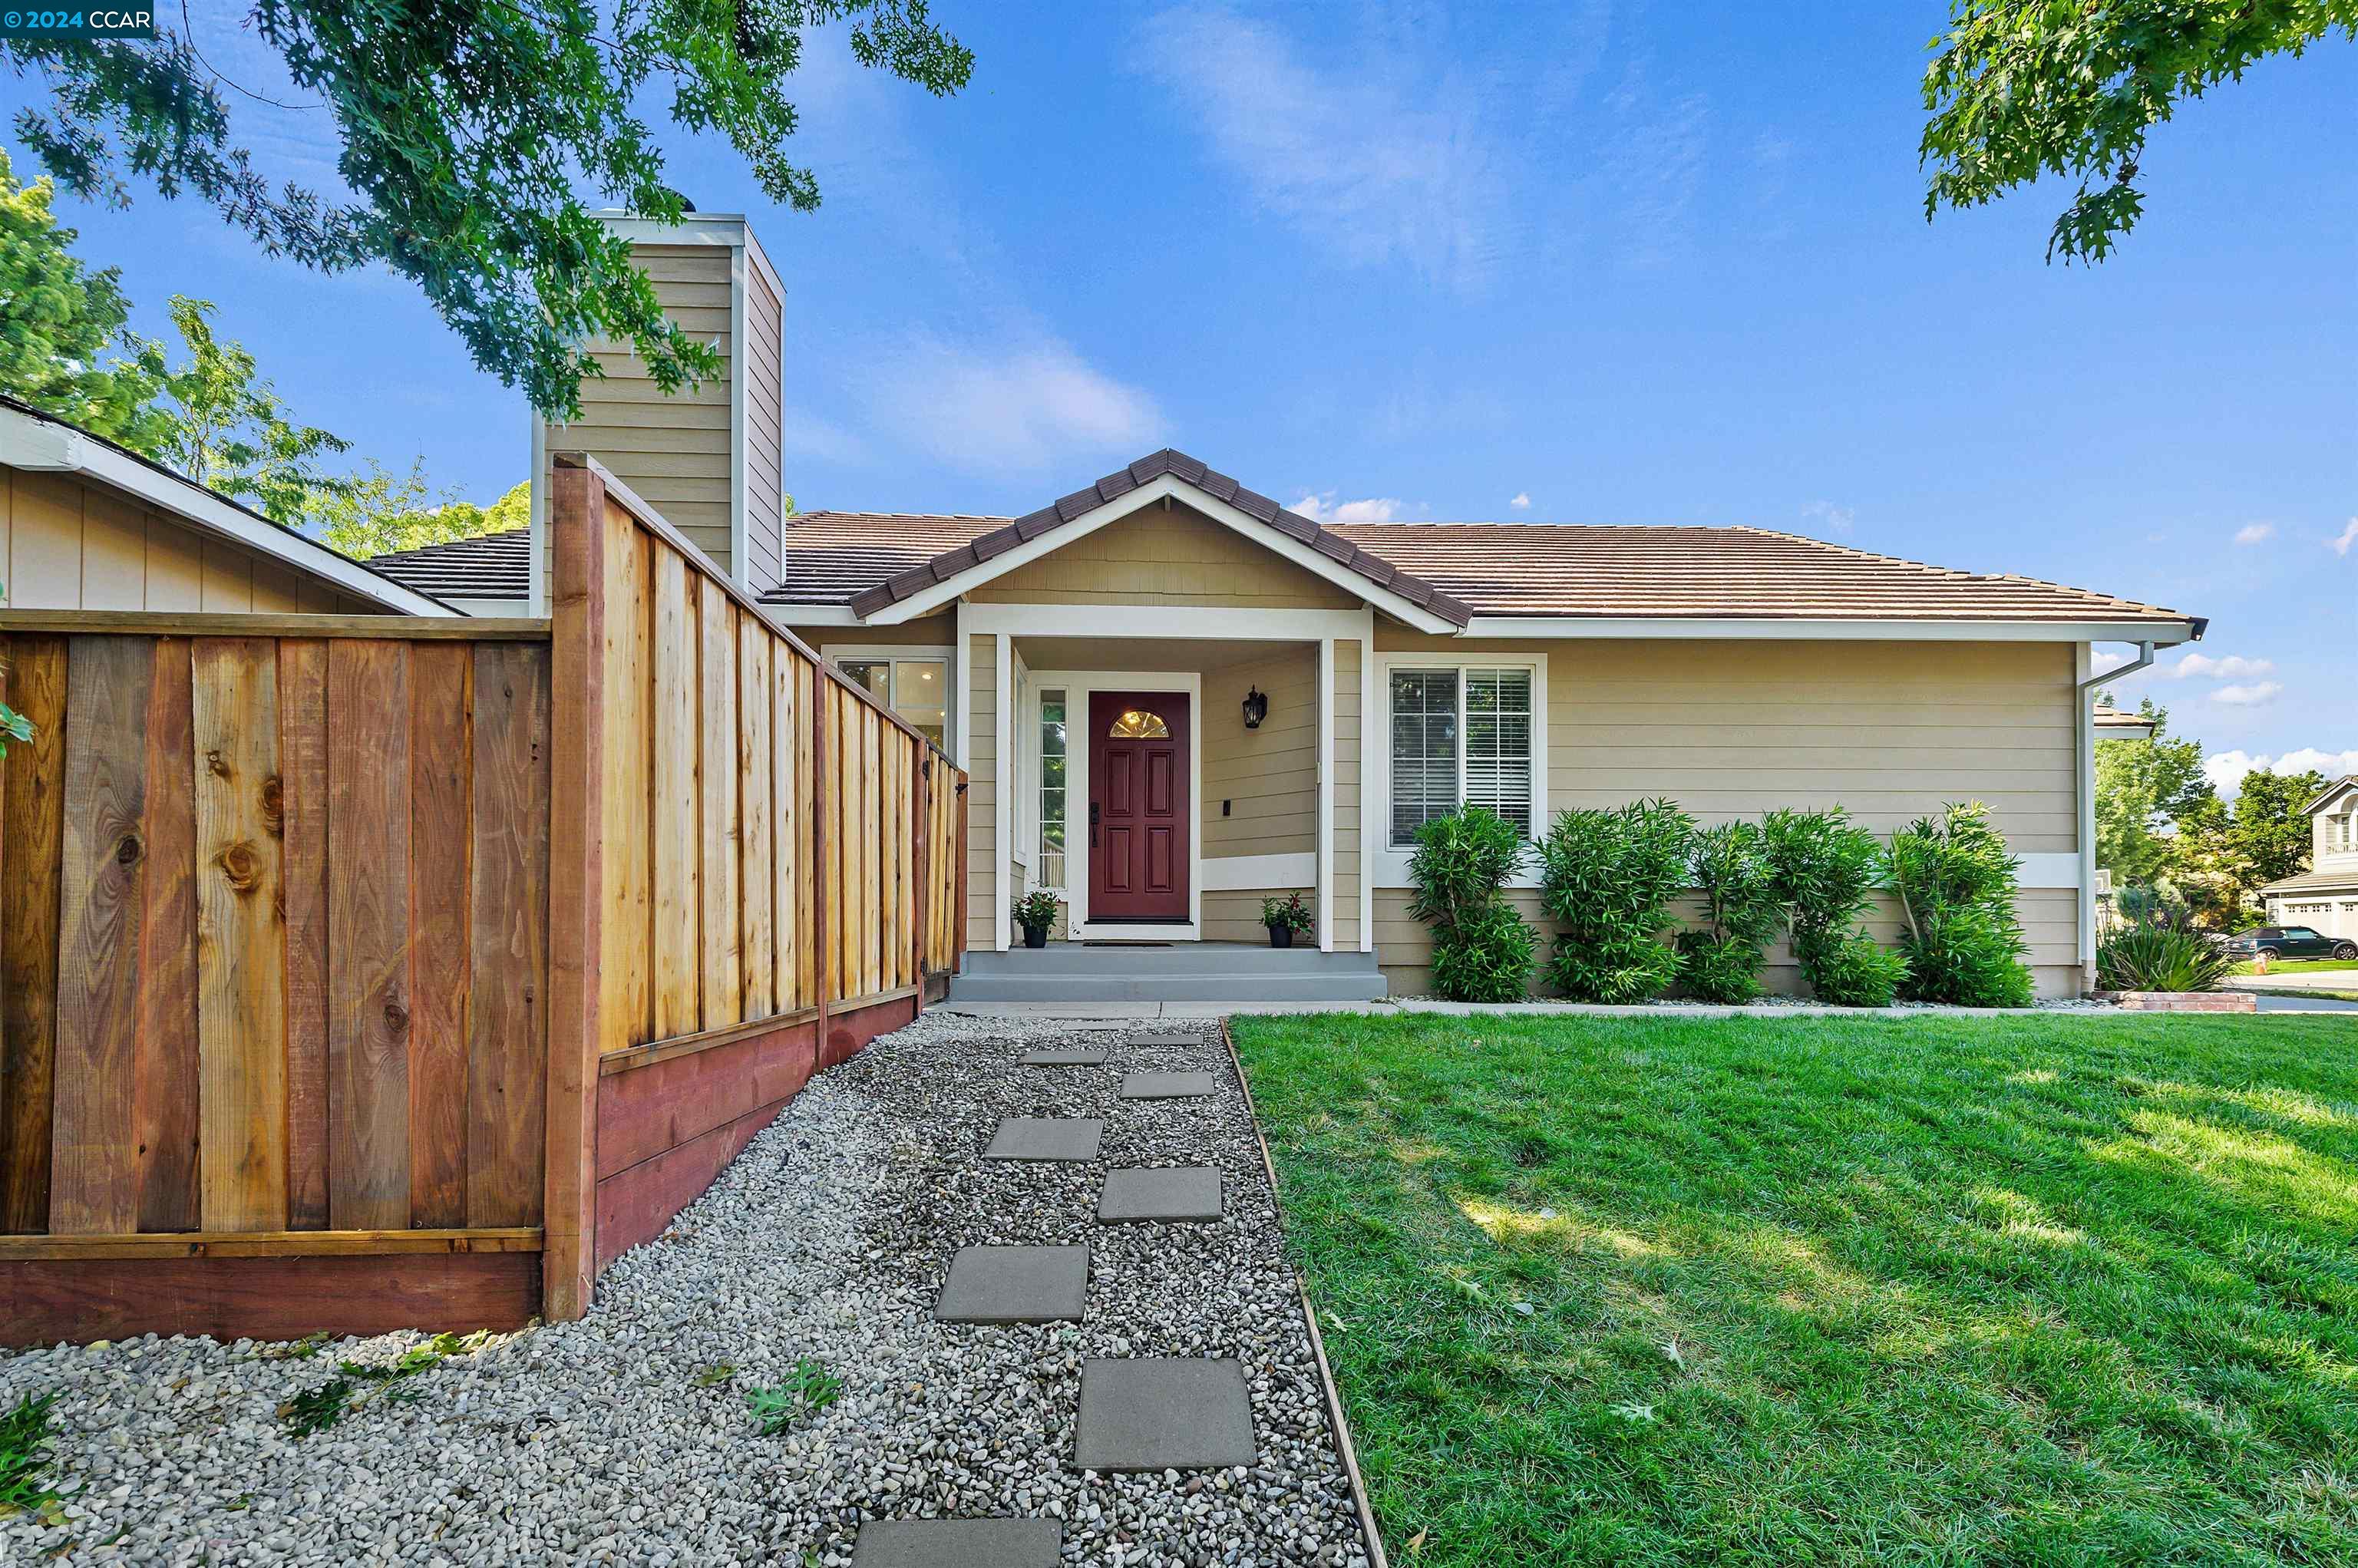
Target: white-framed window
x,y
2342,833
1048,862
1461,735
912,682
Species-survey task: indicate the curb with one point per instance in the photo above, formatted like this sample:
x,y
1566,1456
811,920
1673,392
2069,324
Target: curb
x,y
1341,1428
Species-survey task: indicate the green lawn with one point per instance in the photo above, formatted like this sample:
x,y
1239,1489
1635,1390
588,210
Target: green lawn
x,y
1833,1289
2300,965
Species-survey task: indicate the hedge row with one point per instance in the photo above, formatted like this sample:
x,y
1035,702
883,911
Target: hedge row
x,y
1608,876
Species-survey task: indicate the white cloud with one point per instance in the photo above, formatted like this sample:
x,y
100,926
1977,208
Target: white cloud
x,y
2340,544
2233,666
1379,161
2257,694
2104,660
1325,508
2255,533
1024,405
2308,758
2225,770
1837,519
1522,501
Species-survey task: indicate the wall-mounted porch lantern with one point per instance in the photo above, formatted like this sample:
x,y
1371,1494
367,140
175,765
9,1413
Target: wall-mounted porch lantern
x,y
1256,707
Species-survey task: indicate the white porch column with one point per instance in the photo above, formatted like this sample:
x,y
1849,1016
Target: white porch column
x,y
1368,826
1002,809
1325,794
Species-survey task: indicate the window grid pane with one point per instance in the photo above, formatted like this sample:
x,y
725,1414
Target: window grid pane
x,y
1424,750
1498,744
1050,871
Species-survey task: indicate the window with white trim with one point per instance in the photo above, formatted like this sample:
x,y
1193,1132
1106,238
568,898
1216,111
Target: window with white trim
x,y
1048,869
917,690
2342,833
1460,737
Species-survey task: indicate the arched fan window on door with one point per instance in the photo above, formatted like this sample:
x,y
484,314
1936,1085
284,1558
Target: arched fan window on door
x,y
1135,724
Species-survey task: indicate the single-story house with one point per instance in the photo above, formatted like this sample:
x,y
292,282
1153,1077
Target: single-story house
x,y
2325,895
1175,696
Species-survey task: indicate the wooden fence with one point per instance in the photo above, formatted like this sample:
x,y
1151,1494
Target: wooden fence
x,y
271,962
335,952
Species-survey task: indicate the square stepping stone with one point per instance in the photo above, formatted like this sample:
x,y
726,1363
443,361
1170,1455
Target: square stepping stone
x,y
1064,1056
1166,1037
1189,1192
1014,1284
1166,1085
1046,1138
1164,1415
958,1544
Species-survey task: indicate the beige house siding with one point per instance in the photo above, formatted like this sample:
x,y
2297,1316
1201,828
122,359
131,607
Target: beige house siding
x,y
1234,916
1159,556
1268,777
1728,730
1347,731
982,795
933,632
70,543
674,451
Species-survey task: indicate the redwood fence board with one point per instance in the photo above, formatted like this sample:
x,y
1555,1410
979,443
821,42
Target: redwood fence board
x,y
369,1001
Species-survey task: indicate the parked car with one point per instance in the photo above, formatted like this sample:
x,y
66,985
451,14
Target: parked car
x,y
2290,942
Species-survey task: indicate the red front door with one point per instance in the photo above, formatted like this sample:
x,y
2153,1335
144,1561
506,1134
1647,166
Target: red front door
x,y
1139,810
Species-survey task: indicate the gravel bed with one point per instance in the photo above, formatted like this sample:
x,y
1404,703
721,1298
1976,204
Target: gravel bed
x,y
613,1440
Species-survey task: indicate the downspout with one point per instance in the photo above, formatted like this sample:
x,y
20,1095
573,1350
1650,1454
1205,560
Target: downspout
x,y
2087,769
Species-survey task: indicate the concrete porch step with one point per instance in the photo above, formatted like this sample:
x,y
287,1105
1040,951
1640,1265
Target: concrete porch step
x,y
1369,985
1098,960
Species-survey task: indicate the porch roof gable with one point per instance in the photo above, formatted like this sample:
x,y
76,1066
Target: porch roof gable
x,y
977,560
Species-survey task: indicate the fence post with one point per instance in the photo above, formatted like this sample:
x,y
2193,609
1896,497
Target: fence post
x,y
921,794
576,507
957,909
823,963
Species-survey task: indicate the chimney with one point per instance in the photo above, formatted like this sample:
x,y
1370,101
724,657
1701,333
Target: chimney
x,y
709,460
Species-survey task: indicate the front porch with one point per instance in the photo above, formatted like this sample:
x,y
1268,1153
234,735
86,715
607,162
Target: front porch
x,y
1088,974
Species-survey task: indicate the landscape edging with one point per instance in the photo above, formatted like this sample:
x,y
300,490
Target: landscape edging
x,y
1343,1445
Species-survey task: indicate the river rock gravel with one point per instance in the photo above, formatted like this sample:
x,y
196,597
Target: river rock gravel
x,y
625,1438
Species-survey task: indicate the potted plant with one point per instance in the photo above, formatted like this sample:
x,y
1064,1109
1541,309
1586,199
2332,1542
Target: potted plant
x,y
1036,912
1284,916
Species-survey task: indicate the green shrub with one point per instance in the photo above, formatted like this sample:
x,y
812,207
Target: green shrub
x,y
1956,886
2159,957
1825,870
1036,909
1486,959
1481,947
1607,878
1741,914
26,1433
1852,970
1460,863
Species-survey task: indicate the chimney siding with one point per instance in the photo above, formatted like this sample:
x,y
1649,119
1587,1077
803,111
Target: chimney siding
x,y
709,459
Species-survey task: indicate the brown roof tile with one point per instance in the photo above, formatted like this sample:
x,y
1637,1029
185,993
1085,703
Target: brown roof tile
x,y
872,559
489,566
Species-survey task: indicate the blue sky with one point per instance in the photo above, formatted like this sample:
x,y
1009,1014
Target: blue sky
x,y
1591,263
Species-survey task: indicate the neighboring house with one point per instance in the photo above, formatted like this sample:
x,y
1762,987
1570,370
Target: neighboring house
x,y
2326,895
1175,696
2118,724
87,525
